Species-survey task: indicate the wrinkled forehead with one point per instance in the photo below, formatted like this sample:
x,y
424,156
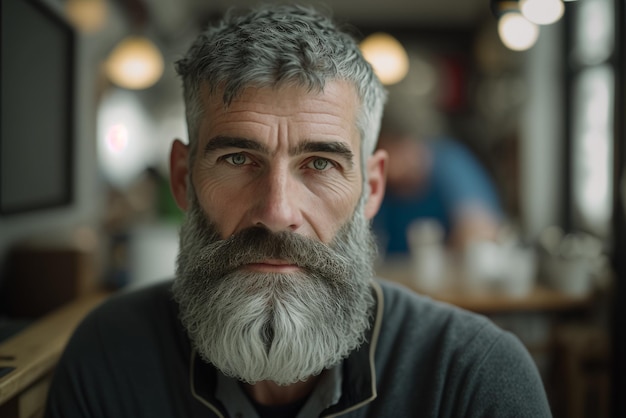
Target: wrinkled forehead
x,y
340,95
326,115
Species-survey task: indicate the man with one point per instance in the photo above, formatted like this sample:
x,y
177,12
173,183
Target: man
x,y
436,179
274,311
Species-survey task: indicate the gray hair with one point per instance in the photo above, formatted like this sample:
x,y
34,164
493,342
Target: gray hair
x,y
276,45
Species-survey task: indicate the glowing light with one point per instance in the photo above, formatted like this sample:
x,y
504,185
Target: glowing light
x,y
135,63
87,15
517,32
125,133
117,138
542,12
387,56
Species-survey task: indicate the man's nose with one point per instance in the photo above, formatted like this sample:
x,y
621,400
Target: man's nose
x,y
278,205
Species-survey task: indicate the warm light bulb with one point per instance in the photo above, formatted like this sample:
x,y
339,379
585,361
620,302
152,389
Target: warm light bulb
x,y
135,63
87,15
542,12
517,32
387,56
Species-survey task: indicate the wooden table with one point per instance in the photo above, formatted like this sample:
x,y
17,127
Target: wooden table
x,y
540,297
33,353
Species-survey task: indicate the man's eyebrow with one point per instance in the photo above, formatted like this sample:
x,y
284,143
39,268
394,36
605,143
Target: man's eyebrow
x,y
220,142
327,147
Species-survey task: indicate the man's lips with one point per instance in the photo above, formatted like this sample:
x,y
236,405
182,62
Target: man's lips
x,y
273,266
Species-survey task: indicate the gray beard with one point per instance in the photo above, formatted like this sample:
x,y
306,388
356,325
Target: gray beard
x,y
283,327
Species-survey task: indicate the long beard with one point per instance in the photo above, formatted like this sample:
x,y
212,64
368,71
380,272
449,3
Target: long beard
x,y
283,327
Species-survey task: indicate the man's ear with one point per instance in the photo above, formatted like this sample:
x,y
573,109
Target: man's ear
x,y
376,176
179,170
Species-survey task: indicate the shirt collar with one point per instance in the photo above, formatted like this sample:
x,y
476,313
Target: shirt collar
x,y
326,393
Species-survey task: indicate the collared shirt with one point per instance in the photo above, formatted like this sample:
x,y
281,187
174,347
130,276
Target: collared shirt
x,y
325,394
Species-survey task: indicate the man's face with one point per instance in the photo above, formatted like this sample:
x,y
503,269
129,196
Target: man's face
x,y
285,159
276,253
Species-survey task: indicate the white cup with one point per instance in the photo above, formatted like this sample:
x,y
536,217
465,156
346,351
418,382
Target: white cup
x,y
569,275
482,266
428,254
519,274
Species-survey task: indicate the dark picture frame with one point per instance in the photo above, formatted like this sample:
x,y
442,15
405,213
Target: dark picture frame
x,y
37,67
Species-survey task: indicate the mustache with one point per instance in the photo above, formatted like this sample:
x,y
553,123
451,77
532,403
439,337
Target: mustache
x,y
257,244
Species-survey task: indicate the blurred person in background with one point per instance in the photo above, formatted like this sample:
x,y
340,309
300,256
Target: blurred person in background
x,y
434,178
275,310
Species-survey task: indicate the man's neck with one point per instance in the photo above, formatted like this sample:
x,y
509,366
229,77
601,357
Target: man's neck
x,y
271,394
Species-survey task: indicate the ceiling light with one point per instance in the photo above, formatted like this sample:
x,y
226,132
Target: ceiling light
x,y
87,15
387,56
135,63
542,12
517,32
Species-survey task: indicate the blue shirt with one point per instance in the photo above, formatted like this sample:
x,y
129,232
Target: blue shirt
x,y
456,180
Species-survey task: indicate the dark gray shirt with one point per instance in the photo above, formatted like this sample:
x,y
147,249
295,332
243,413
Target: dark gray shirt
x,y
131,358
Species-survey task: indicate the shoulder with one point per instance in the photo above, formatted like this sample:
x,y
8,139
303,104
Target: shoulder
x,y
446,146
419,331
133,328
444,352
404,307
118,352
130,317
142,301
451,154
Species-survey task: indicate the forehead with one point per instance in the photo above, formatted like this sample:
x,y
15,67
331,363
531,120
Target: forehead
x,y
297,111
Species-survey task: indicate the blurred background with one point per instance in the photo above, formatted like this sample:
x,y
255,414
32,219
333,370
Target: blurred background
x,y
528,98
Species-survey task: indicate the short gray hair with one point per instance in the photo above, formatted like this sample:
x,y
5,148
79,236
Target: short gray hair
x,y
275,45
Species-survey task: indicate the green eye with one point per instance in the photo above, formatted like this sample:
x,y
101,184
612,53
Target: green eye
x,y
237,159
320,164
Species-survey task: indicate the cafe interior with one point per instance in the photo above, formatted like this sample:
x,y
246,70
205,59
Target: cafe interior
x,y
534,91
